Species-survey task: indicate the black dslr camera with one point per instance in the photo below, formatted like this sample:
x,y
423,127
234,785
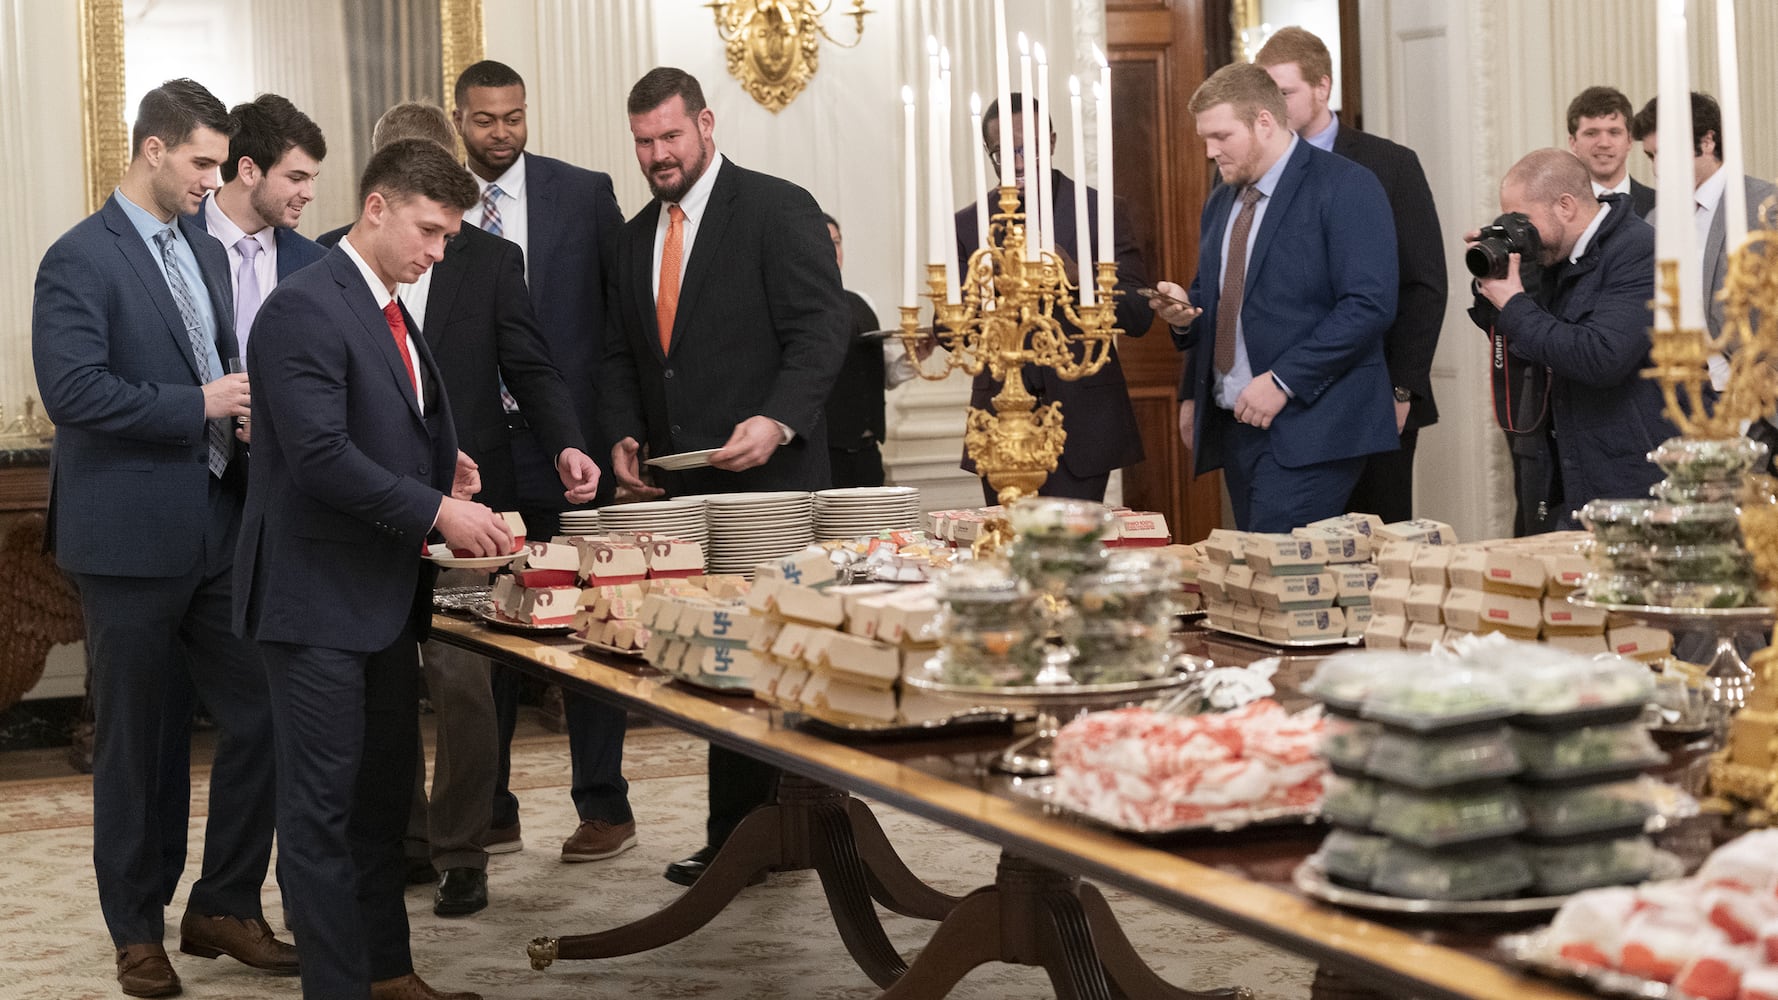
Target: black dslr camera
x,y
1511,233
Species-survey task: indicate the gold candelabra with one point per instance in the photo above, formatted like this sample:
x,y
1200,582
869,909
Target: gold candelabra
x,y
1016,312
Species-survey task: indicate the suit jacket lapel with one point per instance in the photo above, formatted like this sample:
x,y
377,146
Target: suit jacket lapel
x,y
1289,183
213,264
447,282
1215,226
362,306
1715,245
148,271
543,223
704,251
641,251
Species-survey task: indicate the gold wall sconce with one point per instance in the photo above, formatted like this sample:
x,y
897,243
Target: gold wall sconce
x,y
774,45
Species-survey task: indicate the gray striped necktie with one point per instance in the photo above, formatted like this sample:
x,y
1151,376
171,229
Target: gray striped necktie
x,y
221,444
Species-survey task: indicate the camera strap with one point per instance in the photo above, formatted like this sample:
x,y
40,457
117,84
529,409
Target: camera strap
x,y
1521,391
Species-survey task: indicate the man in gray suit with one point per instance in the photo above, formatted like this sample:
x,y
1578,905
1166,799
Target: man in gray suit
x,y
1709,193
131,334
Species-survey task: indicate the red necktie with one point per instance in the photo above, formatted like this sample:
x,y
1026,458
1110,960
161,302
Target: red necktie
x,y
666,299
398,327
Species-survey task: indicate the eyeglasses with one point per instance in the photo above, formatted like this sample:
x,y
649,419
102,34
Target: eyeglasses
x,y
994,156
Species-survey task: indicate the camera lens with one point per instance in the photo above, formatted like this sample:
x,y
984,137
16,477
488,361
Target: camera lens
x,y
1487,258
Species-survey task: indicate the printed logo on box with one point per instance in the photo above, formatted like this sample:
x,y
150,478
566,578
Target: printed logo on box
x,y
720,623
1499,573
724,659
1313,586
1305,550
1321,620
1499,613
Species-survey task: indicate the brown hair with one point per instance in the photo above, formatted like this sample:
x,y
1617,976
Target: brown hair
x,y
267,127
1300,46
408,167
413,120
1246,88
174,110
1597,102
662,84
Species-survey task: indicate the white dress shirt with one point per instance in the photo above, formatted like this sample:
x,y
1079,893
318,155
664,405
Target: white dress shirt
x,y
1621,187
693,205
514,205
383,296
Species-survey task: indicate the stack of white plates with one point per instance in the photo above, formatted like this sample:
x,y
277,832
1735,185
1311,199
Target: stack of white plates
x,y
579,522
865,510
682,518
748,528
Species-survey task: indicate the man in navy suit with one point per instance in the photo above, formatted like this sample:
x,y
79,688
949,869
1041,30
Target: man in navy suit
x,y
1303,69
732,327
1096,410
130,326
356,464
273,160
564,219
1285,387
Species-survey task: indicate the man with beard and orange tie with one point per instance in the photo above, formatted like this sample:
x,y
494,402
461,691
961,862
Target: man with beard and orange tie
x,y
273,160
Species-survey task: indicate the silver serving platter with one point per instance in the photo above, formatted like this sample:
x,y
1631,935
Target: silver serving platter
x,y
1752,616
1041,695
1350,640
967,717
1315,884
1533,951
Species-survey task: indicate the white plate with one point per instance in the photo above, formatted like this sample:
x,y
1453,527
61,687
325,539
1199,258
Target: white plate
x,y
678,505
684,460
471,562
731,500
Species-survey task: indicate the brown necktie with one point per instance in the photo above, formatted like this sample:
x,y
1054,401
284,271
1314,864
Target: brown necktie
x,y
1234,282
666,299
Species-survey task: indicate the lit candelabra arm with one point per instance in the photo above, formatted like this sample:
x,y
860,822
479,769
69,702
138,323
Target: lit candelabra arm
x,y
1013,312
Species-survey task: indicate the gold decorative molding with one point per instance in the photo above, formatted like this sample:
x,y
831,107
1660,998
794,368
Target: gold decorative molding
x,y
462,41
774,46
105,139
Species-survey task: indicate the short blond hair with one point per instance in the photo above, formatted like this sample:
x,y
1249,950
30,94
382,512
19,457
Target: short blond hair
x,y
1246,88
1545,175
1300,46
413,120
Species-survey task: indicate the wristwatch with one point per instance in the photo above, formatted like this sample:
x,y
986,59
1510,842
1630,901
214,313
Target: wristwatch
x,y
1403,396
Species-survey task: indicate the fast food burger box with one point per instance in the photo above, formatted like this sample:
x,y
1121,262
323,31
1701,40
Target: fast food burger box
x,y
1225,547
1587,645
1420,529
547,564
1247,617
723,585
815,646
727,622
907,617
605,562
663,649
674,557
1365,524
812,605
626,635
1422,636
1564,571
806,568
1511,571
1293,593
862,661
1395,560
1562,618
1468,565
852,601
1390,596
507,595
1358,618
1308,624
1423,603
765,590
1353,583
1211,577
1344,545
765,679
1485,611
1640,642
833,699
1429,565
788,691
1385,631
1140,528
788,644
1220,613
1285,555
610,608
724,661
514,524
1237,582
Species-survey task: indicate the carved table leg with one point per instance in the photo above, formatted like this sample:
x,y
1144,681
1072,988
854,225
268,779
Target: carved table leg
x,y
809,826
1128,972
968,938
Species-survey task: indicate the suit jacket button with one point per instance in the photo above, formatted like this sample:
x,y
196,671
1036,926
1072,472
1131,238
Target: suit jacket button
x,y
667,374
674,428
424,470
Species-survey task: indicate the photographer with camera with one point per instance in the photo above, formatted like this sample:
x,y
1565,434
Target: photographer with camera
x,y
1563,282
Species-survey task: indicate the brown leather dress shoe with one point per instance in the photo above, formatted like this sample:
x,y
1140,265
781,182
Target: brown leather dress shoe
x,y
248,941
143,971
412,987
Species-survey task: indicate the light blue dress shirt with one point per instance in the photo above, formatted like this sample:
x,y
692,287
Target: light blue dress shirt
x,y
1324,140
150,229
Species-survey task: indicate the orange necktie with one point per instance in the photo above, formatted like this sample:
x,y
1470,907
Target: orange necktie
x,y
666,299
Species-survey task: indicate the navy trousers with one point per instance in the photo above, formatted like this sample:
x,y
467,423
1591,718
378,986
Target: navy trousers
x,y
1268,497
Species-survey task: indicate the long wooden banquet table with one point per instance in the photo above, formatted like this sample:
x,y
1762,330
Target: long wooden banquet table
x,y
1240,880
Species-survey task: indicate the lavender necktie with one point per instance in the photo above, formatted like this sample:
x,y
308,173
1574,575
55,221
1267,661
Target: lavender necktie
x,y
247,293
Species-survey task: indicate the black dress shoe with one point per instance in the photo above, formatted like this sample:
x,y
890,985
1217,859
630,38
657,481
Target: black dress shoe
x,y
686,871
461,891
421,872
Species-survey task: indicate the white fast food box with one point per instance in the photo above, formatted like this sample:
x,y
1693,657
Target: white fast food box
x,y
1285,555
1344,545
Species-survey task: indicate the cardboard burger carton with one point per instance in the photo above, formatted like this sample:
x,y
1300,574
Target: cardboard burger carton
x,y
1367,525
1140,528
862,661
726,622
1285,555
1344,544
1219,613
722,665
1395,560
1358,618
810,605
1468,566
546,564
1586,645
605,562
1353,583
833,699
1423,603
1513,572
1247,618
1429,565
1292,593
807,568
507,595
1390,596
1211,578
1564,572
1563,618
907,617
1422,530
673,558
1640,642
1225,547
1422,636
1237,582
1385,631
1486,611
1309,624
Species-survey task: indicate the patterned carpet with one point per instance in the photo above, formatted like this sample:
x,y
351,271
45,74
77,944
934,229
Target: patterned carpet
x,y
775,941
